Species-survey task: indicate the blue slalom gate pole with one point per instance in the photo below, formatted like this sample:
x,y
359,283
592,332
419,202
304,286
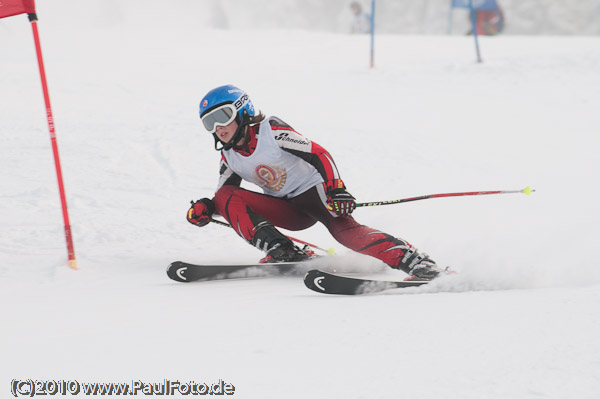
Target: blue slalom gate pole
x,y
474,24
372,34
450,18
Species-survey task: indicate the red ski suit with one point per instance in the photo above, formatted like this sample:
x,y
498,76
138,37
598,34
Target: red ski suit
x,y
245,209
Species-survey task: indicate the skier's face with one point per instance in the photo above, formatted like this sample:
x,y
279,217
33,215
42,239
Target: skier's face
x,y
225,133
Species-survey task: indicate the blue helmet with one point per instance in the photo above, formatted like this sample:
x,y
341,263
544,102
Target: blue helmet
x,y
223,95
223,105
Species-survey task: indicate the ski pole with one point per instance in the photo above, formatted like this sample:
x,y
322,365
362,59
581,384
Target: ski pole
x,y
329,251
527,191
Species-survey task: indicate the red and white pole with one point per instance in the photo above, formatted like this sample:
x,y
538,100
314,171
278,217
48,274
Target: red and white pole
x,y
527,191
61,186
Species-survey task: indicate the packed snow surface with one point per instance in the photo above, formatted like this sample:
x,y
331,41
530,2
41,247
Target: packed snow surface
x,y
519,321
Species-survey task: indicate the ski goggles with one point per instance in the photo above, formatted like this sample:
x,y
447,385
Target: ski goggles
x,y
221,116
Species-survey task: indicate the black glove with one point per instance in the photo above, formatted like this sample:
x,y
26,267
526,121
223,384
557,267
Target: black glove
x,y
340,201
200,212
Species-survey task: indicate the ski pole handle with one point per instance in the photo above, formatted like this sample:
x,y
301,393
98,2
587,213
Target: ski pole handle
x,y
527,191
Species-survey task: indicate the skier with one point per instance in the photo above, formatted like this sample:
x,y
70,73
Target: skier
x,y
301,186
361,21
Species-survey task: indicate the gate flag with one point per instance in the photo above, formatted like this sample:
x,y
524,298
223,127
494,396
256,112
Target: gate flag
x,y
8,8
472,6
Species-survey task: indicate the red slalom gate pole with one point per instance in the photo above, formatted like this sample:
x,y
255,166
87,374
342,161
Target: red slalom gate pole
x,y
61,186
527,191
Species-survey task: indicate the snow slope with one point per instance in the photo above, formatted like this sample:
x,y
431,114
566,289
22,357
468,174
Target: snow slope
x,y
521,320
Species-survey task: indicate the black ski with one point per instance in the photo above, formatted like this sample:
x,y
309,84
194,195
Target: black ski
x,y
188,272
329,283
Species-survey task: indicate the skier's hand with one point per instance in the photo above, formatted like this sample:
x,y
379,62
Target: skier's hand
x,y
340,201
200,212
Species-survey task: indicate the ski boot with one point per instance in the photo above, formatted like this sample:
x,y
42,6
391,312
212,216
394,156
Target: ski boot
x,y
427,270
285,252
419,266
278,247
424,271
